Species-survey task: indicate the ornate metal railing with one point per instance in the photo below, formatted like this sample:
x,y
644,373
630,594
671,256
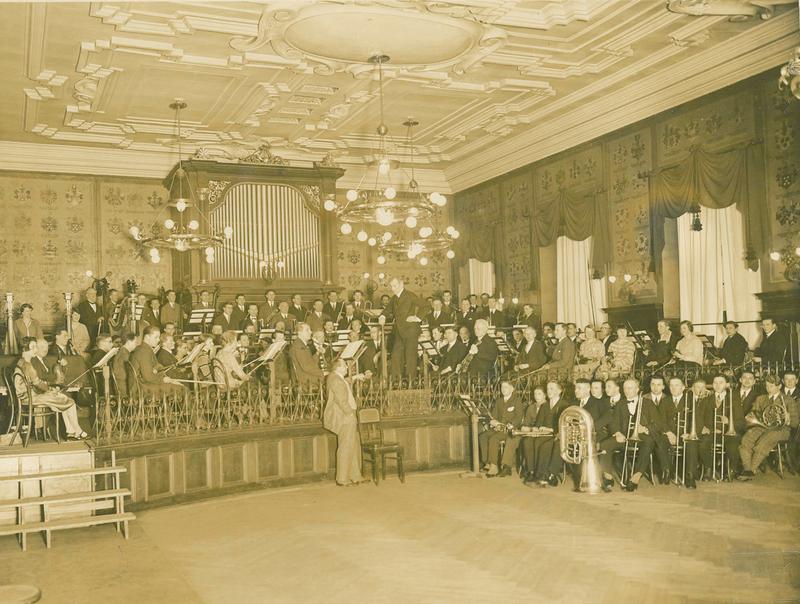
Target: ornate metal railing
x,y
213,407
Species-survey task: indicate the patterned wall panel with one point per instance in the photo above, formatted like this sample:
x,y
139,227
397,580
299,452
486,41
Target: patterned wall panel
x,y
782,145
521,273
53,228
628,162
578,171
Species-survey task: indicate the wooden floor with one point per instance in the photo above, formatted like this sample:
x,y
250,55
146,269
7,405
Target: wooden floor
x,y
439,538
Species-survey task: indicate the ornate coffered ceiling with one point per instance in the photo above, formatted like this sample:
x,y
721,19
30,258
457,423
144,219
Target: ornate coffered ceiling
x,y
494,83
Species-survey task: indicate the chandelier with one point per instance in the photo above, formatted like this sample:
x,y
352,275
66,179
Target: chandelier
x,y
790,75
380,205
180,230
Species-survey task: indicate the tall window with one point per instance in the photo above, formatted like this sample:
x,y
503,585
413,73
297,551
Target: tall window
x,y
481,277
579,299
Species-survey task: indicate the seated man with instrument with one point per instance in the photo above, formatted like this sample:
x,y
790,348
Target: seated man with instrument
x,y
506,417
234,375
635,421
541,449
679,429
660,352
720,415
143,360
479,362
734,347
452,353
773,417
562,354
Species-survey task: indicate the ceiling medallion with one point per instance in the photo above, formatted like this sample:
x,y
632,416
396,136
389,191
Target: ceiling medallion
x,y
417,35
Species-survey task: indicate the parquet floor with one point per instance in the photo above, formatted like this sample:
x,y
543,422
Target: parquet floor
x,y
441,538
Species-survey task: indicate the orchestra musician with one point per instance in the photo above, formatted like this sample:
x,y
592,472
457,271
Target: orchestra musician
x,y
317,318
734,347
439,315
26,326
452,353
526,317
118,370
224,320
507,416
760,438
297,309
90,313
542,453
772,349
689,348
333,307
532,356
447,302
620,357
465,316
143,359
239,310
321,350
81,338
306,365
716,420
172,312
494,317
251,318
349,315
746,394
606,336
678,403
601,414
484,351
562,357
660,352
283,317
621,430
234,374
590,353
661,442
269,307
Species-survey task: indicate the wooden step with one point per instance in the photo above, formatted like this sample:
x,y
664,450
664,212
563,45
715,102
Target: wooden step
x,y
65,523
65,473
63,498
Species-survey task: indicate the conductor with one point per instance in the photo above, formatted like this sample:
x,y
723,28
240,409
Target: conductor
x,y
403,308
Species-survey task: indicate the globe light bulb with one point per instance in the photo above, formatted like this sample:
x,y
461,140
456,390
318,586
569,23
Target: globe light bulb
x,y
210,259
450,254
228,230
329,205
153,252
383,166
351,195
627,277
362,235
180,205
455,235
410,254
612,279
797,251
411,222
194,225
89,274
280,264
209,251
425,231
413,211
381,259
775,256
169,224
450,230
390,192
365,275
387,236
381,275
135,232
346,228
384,217
515,301
423,261
372,242
155,259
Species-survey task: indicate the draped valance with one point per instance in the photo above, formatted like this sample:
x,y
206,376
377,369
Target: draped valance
x,y
576,216
714,180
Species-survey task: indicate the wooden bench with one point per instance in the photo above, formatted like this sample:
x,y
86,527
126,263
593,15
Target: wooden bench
x,y
114,496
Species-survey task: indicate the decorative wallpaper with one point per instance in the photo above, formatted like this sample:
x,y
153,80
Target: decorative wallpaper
x,y
628,164
521,272
782,142
54,228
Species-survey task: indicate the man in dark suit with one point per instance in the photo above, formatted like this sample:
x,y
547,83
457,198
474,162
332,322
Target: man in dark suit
x,y
606,335
239,310
447,302
317,318
624,416
660,441
225,318
152,314
484,351
439,315
251,318
598,409
745,395
506,415
403,308
717,407
297,309
734,347
678,403
452,353
90,312
118,369
527,317
494,316
269,307
348,316
359,304
790,384
284,317
333,307
172,312
305,364
773,344
144,362
465,316
542,453
562,357
532,355
661,351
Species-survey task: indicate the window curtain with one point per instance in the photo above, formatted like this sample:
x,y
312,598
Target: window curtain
x,y
576,217
712,275
714,180
481,277
579,299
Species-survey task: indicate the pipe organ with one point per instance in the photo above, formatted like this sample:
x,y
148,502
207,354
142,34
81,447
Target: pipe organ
x,y
276,213
270,223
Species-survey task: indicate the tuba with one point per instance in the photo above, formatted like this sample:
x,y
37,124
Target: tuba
x,y
578,446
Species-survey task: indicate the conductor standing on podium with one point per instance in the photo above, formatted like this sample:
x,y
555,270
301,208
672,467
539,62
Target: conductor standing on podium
x,y
403,308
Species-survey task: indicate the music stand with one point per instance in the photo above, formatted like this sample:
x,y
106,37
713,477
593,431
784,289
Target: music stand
x,y
502,344
427,347
352,351
471,409
199,318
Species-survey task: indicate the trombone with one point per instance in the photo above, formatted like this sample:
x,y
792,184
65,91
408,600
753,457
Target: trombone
x,y
718,443
634,424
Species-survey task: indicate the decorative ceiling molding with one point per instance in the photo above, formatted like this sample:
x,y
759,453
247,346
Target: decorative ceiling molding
x,y
736,10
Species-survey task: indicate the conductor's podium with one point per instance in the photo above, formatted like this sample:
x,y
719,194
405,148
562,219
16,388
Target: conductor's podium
x,y
48,487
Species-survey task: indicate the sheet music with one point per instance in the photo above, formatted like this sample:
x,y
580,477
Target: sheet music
x,y
106,358
351,350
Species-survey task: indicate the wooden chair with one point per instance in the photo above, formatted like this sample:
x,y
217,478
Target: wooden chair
x,y
374,448
21,395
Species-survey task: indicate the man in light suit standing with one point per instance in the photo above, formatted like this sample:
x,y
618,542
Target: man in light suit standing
x,y
340,418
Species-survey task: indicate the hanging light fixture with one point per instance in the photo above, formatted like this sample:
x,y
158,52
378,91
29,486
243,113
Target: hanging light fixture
x,y
697,225
180,229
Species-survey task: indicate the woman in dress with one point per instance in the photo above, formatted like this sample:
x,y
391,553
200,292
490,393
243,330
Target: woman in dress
x,y
621,353
590,353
